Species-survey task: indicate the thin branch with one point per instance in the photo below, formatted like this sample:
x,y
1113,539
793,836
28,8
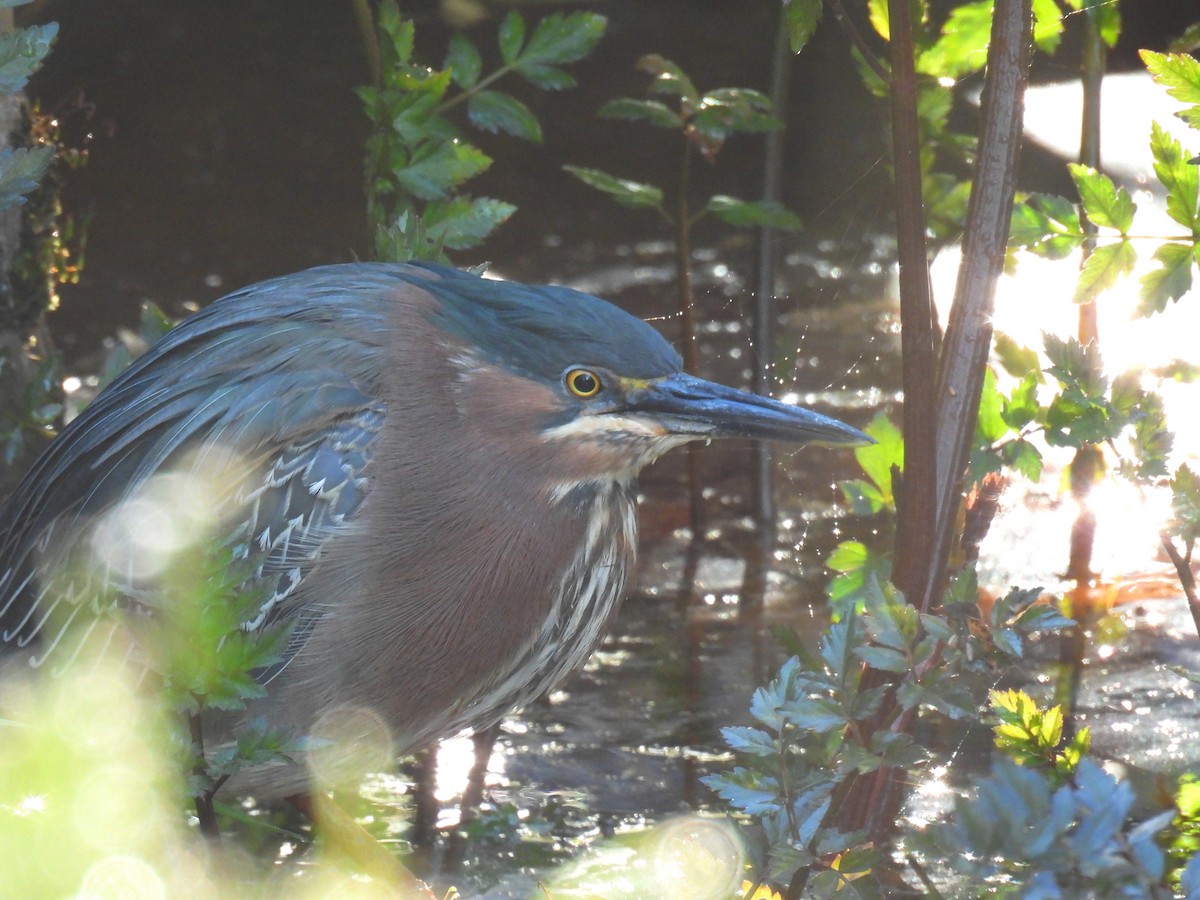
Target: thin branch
x,y
915,531
1186,579
969,332
687,309
930,502
365,16
856,38
763,346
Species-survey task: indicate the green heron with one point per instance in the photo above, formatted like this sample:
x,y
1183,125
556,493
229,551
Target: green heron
x,y
429,476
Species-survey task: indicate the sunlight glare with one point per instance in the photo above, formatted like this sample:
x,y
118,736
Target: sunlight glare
x,y
166,515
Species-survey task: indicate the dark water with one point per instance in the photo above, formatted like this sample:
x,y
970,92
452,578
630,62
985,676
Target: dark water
x,y
228,149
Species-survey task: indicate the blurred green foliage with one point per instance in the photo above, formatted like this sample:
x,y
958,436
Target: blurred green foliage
x,y
1048,822
705,122
417,157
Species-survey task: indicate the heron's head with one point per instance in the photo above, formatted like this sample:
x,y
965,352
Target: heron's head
x,y
574,374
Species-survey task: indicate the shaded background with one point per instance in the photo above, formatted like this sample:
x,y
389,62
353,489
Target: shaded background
x,y
229,142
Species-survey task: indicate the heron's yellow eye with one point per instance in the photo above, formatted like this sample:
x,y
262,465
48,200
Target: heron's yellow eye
x,y
583,383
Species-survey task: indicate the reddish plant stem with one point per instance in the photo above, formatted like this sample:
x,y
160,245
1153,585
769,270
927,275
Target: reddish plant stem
x,y
989,214
859,801
851,31
915,526
1186,580
873,803
1087,462
969,331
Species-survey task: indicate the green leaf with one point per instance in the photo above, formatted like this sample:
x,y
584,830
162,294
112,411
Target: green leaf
x,y
20,172
669,79
962,46
548,78
494,111
754,741
1046,225
878,459
946,204
461,222
864,498
414,120
1177,72
1186,41
1021,406
816,714
1024,457
950,699
848,556
1105,204
857,566
1151,440
752,793
1107,18
1106,263
400,31
1078,367
562,38
443,167
990,425
1043,617
512,37
890,620
1185,505
627,193
752,213
650,111
1047,25
463,60
1178,176
800,18
883,658
877,14
1170,280
837,647
21,54
1017,360
1178,370
725,111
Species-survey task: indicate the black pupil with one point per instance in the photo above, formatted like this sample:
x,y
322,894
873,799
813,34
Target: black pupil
x,y
585,383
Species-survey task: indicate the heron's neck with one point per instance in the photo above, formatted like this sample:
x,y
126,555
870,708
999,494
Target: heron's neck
x,y
582,495
582,608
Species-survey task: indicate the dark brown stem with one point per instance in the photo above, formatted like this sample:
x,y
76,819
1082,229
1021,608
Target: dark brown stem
x,y
365,17
969,332
922,557
1086,462
1094,64
205,811
763,346
856,38
683,264
1186,579
914,533
425,801
687,312
368,31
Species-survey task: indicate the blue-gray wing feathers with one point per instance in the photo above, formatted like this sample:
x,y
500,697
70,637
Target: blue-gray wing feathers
x,y
276,389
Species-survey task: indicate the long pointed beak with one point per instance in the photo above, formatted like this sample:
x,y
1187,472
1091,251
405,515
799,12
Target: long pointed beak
x,y
693,406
